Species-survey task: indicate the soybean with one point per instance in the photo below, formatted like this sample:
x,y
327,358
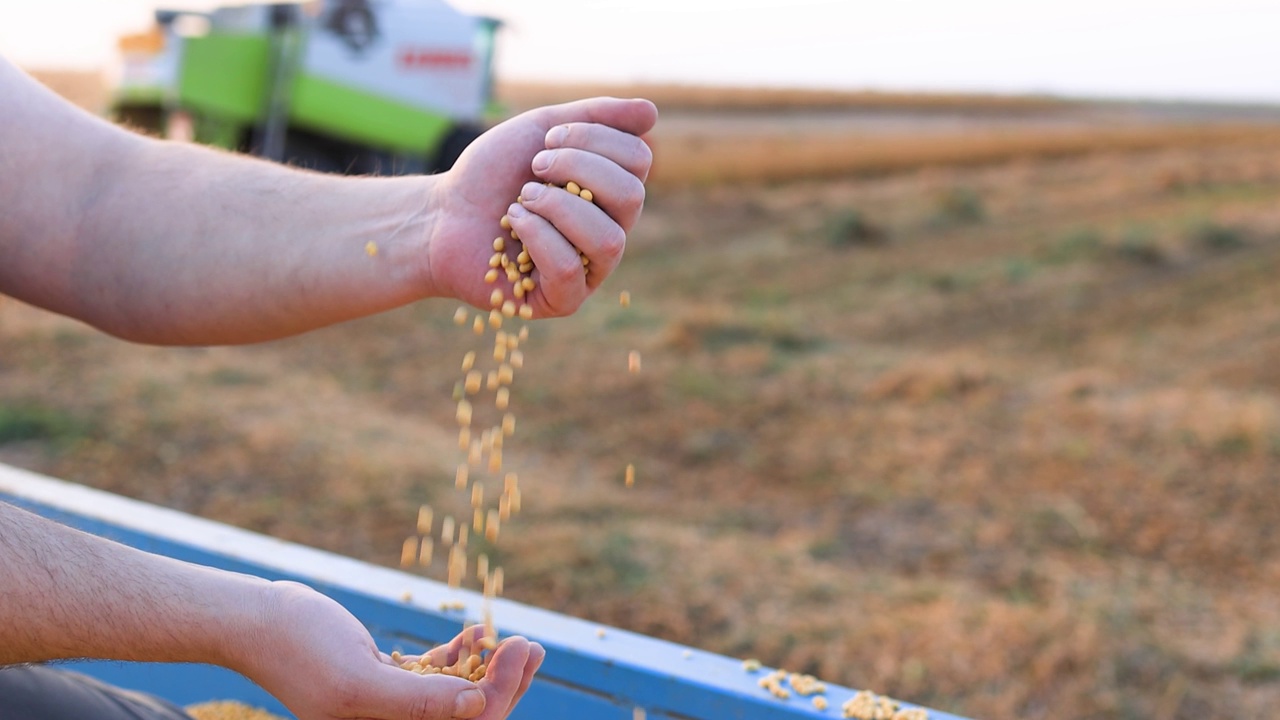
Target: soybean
x,y
409,551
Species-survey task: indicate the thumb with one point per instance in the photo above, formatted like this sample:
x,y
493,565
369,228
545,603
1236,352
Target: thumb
x,y
635,116
394,693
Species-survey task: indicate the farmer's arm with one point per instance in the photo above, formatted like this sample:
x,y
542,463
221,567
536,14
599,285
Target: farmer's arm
x,y
167,243
66,594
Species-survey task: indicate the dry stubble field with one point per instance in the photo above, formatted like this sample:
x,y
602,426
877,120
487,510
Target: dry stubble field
x,y
1003,440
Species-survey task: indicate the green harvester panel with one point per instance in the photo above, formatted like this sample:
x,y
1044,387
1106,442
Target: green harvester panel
x,y
326,107
225,76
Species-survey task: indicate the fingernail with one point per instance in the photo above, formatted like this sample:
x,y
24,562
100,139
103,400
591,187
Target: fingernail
x,y
532,191
556,135
516,211
468,704
542,161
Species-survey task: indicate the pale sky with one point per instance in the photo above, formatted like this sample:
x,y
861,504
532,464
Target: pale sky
x,y
1193,49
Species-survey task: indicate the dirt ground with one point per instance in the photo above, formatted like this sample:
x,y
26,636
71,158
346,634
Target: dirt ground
x,y
1000,440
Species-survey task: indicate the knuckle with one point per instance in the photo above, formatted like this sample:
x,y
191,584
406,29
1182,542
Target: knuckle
x,y
563,271
612,243
632,200
643,155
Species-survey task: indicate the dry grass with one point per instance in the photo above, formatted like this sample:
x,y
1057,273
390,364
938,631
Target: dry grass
x,y
1017,458
708,159
84,88
798,134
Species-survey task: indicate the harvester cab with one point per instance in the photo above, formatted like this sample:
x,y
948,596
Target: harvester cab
x,y
354,86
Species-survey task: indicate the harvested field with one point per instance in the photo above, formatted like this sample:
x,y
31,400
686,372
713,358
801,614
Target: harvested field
x,y
684,98
1001,439
713,135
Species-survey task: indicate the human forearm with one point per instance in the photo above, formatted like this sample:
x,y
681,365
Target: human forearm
x,y
65,594
169,243
244,250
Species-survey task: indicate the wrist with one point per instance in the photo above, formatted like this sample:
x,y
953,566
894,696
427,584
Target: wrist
x,y
410,212
429,225
242,642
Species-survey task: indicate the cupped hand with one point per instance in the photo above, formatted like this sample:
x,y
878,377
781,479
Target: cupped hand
x,y
511,668
318,660
596,143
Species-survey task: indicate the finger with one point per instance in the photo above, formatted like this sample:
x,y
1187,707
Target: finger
x,y
536,655
503,679
394,693
443,655
619,193
628,151
448,653
585,227
635,116
561,281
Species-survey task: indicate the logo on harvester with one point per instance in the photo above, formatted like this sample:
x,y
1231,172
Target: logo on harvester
x,y
354,22
409,57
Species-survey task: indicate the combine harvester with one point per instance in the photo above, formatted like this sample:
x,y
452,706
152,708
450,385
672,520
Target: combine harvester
x,y
589,672
392,87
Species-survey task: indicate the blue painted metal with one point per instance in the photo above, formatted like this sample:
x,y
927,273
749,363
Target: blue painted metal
x,y
584,675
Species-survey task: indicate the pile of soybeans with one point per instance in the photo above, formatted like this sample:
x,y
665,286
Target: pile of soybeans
x,y
864,705
228,710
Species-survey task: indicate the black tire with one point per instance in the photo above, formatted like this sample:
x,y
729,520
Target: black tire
x,y
329,155
144,119
309,151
